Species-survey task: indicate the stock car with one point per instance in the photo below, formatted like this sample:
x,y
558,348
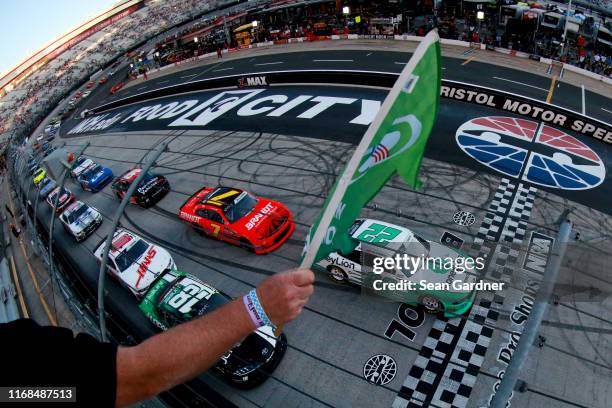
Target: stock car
x,y
81,164
80,220
178,297
103,80
116,88
95,178
135,262
46,186
65,198
39,175
235,216
375,239
151,189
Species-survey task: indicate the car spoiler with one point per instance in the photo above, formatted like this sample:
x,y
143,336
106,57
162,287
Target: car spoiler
x,y
99,244
192,197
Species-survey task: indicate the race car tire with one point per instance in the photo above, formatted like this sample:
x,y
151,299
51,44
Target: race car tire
x,y
337,274
244,243
431,304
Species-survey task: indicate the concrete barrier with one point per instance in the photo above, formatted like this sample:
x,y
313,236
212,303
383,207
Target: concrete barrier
x,y
584,72
458,43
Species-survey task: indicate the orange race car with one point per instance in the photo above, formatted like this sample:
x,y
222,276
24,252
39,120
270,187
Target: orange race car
x,y
235,216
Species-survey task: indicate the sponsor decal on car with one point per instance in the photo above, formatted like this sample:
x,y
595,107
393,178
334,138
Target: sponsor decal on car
x,y
256,219
144,265
189,217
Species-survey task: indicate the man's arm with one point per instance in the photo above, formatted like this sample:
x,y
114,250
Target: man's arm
x,y
187,350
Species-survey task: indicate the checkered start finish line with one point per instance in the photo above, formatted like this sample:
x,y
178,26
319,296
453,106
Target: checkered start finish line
x,y
448,364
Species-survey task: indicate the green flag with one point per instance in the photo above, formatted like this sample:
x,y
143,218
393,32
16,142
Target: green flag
x,y
394,142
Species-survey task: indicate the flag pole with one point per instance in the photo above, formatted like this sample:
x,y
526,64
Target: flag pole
x,y
349,170
404,83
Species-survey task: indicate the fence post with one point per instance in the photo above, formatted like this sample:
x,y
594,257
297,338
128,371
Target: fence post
x,y
534,321
109,238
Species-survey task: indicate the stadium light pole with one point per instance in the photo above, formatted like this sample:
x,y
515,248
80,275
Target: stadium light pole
x,y
569,6
508,381
109,238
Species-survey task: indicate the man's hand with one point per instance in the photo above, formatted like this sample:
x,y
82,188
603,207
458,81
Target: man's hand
x,y
181,353
284,295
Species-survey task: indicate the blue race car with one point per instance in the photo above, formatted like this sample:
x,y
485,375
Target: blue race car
x,y
95,178
46,186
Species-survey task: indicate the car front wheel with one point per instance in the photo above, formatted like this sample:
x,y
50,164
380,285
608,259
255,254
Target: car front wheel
x,y
337,274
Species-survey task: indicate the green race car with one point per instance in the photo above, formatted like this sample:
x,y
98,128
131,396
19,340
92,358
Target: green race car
x,y
445,292
177,297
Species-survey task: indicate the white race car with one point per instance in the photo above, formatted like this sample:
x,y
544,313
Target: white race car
x,y
134,261
82,164
80,220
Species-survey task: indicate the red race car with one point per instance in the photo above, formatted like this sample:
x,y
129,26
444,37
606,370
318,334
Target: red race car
x,y
235,216
116,88
103,80
90,84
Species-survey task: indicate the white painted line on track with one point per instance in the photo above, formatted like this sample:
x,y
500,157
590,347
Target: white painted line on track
x,y
271,63
163,82
604,109
222,69
332,60
520,83
368,54
142,87
189,76
583,100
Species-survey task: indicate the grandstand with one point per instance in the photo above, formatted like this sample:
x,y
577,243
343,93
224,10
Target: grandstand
x,y
46,83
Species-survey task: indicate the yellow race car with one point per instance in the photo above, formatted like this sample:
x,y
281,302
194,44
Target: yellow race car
x,y
39,175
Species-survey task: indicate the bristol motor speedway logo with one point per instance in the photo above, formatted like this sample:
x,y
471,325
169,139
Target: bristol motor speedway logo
x,y
531,151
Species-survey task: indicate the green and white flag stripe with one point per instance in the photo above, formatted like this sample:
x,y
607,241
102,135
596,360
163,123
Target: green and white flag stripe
x,y
394,142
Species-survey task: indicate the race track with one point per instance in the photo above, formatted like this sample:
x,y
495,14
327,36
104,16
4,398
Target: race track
x,y
294,158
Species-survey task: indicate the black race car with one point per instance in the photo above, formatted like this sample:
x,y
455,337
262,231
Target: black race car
x,y
177,297
152,188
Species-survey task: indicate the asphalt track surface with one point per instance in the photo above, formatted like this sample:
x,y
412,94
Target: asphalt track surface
x,y
481,73
342,328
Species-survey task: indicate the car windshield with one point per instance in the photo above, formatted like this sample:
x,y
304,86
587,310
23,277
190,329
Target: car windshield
x,y
242,205
74,215
127,258
92,171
